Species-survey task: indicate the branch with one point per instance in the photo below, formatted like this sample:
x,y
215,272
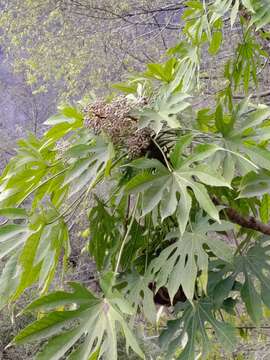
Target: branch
x,y
249,222
259,95
105,13
115,14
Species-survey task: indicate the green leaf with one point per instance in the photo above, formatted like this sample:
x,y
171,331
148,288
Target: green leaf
x,y
31,172
219,9
193,323
104,233
93,322
254,184
215,42
229,168
176,156
9,231
256,269
208,176
223,123
161,188
85,171
184,207
14,213
37,248
204,199
163,72
248,5
187,67
256,118
29,273
164,112
202,152
252,300
179,263
234,12
222,290
12,237
140,296
67,115
259,156
260,16
9,279
265,208
80,296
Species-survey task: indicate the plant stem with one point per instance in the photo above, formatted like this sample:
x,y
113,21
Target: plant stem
x,y
126,236
68,210
163,154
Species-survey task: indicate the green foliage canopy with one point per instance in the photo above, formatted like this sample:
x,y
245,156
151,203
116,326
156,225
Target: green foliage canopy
x,y
184,224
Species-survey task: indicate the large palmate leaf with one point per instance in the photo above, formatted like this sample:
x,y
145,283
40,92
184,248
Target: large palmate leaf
x,y
140,295
161,187
65,122
12,236
9,279
87,161
33,249
104,233
261,12
193,324
162,72
164,111
25,172
180,263
258,10
187,68
221,7
250,58
198,28
241,132
254,184
88,325
256,269
37,168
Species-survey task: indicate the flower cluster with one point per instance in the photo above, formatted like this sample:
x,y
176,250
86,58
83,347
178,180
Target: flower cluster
x,y
114,119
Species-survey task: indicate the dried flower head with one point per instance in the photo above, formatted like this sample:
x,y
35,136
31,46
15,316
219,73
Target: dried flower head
x,y
115,120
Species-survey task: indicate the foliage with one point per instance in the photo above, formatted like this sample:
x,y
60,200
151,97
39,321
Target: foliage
x,y
96,317
183,224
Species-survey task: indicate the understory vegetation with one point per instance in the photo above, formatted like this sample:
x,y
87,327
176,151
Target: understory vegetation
x,y
180,236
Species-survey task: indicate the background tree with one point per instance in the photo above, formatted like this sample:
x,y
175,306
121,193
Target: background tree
x,y
81,44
